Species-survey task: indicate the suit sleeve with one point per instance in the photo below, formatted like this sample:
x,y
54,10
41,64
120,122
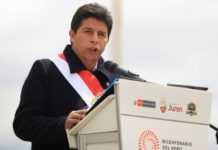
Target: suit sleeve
x,y
31,122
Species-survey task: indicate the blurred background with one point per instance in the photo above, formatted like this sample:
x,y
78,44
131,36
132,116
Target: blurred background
x,y
163,41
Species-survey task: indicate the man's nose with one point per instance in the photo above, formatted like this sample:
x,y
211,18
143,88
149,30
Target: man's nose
x,y
94,38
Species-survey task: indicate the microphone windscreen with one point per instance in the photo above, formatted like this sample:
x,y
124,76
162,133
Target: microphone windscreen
x,y
110,66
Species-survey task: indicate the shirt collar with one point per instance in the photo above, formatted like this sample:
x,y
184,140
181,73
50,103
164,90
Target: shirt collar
x,y
74,62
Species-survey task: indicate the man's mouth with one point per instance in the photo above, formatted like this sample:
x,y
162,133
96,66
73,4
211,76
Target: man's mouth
x,y
93,49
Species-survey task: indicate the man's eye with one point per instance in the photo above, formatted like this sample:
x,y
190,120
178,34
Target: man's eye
x,y
87,31
102,34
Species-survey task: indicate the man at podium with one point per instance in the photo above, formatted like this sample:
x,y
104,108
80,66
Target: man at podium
x,y
57,90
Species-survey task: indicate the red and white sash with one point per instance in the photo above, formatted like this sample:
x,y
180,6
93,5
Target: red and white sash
x,y
84,82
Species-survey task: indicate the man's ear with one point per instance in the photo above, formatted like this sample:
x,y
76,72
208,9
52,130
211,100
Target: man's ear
x,y
71,34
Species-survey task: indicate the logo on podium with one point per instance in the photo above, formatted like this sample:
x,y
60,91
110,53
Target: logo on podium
x,y
163,105
191,109
148,141
170,107
145,103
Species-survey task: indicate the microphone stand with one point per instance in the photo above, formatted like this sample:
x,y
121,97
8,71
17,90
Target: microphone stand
x,y
131,76
216,129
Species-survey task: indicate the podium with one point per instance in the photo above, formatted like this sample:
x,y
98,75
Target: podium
x,y
145,116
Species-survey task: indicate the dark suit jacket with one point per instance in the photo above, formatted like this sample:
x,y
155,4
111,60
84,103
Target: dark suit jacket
x,y
46,99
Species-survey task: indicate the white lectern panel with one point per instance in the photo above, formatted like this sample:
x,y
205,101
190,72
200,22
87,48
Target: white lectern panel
x,y
154,134
163,102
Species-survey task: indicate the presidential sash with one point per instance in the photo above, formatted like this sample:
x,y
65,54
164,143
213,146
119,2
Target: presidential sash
x,y
84,82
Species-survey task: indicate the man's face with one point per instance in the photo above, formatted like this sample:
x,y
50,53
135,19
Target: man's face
x,y
90,40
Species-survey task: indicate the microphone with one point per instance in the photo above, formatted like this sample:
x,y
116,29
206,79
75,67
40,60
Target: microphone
x,y
122,73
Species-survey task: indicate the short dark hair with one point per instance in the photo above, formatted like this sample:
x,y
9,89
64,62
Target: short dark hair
x,y
92,10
